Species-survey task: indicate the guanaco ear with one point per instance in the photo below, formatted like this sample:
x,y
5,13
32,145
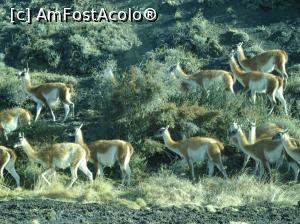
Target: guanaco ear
x,y
167,127
20,135
80,126
285,131
240,44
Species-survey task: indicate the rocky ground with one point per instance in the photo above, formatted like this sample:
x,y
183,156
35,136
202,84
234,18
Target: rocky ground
x,y
49,211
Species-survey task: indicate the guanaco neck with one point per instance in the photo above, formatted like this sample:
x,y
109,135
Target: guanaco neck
x,y
28,83
30,152
170,143
252,135
79,138
241,56
242,140
237,72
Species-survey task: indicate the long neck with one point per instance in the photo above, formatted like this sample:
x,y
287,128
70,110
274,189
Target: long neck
x,y
180,73
169,142
242,140
27,80
252,135
237,72
240,54
30,152
79,138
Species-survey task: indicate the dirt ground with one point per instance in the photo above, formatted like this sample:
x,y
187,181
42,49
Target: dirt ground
x,y
50,211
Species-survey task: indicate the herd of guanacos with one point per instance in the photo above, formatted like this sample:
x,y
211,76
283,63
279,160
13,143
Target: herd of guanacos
x,y
266,144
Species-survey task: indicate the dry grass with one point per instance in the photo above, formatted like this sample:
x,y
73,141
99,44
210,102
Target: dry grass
x,y
165,189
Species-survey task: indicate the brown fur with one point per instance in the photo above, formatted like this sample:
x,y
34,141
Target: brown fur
x,y
96,148
259,149
200,76
259,82
245,77
185,147
25,115
37,93
257,62
57,153
7,161
203,76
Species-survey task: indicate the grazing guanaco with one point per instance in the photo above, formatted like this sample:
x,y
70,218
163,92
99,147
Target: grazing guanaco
x,y
60,155
292,150
47,94
7,161
106,152
196,149
260,82
264,151
206,78
264,62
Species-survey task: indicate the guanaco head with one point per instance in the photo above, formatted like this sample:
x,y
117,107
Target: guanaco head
x,y
233,125
162,131
177,71
239,45
21,141
235,129
283,135
24,74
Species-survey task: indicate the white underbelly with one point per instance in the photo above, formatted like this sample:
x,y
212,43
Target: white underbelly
x,y
35,99
268,67
108,158
52,96
260,86
66,161
274,155
62,164
199,154
214,81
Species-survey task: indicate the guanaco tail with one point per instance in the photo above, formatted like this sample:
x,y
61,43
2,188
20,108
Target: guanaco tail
x,y
106,153
47,94
196,149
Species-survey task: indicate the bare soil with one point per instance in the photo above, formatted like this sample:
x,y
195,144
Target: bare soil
x,y
51,211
